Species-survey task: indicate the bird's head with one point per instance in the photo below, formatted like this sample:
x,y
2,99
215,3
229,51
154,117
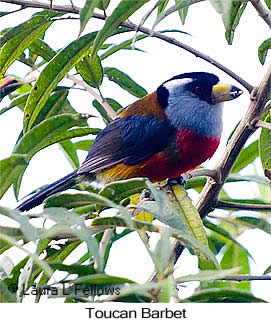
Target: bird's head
x,y
195,100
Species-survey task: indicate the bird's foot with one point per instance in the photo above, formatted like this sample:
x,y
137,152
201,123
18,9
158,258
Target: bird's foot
x,y
146,194
181,180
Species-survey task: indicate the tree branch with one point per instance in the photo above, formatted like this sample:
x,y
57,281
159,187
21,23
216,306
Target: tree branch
x,y
147,31
110,111
209,196
243,206
262,10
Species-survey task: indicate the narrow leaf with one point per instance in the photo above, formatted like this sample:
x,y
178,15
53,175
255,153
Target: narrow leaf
x,y
10,168
263,50
170,10
70,152
265,147
15,46
223,295
122,12
87,12
124,81
246,157
91,71
53,73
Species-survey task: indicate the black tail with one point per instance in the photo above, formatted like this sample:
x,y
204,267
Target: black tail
x,y
61,185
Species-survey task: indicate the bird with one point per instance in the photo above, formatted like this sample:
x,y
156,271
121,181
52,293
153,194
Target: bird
x,y
160,136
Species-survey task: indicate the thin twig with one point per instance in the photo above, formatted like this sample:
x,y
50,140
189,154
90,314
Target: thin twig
x,y
110,111
147,31
107,236
263,124
243,206
262,10
204,172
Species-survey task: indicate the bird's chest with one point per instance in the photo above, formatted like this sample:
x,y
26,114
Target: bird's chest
x,y
193,149
186,151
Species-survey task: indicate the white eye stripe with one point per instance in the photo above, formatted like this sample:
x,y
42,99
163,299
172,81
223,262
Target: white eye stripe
x,y
172,84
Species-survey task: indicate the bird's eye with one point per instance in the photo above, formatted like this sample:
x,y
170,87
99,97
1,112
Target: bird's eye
x,y
197,90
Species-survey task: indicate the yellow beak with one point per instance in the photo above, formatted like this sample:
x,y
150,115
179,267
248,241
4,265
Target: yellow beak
x,y
224,92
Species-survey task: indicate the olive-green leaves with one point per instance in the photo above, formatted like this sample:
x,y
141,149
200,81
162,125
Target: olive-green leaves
x,y
124,81
263,49
86,12
48,132
265,148
231,12
124,10
15,41
10,169
58,67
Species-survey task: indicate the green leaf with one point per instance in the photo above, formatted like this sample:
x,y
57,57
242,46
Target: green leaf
x,y
83,144
77,227
267,270
40,48
231,12
34,22
103,4
181,235
234,256
70,152
122,12
53,106
179,5
103,279
124,81
223,295
263,50
166,291
265,147
18,101
223,232
254,223
231,22
50,131
190,214
79,269
163,253
114,104
91,71
246,157
119,190
10,168
87,12
17,40
46,133
182,12
59,256
127,44
162,6
29,231
268,3
69,201
53,73
208,275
